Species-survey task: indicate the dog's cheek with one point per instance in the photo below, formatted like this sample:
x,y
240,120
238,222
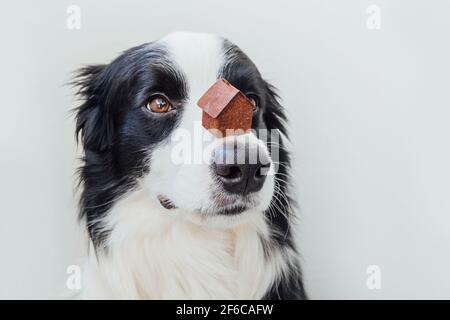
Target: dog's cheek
x,y
161,171
267,193
192,187
186,184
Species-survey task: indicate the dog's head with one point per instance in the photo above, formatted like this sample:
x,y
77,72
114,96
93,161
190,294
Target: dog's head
x,y
141,128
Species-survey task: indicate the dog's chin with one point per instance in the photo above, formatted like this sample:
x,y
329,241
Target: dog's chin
x,y
224,212
222,218
229,210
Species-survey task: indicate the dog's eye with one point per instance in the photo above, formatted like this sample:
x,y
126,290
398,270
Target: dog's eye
x,y
254,100
159,104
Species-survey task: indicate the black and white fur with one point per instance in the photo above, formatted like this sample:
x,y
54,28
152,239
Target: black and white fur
x,y
141,250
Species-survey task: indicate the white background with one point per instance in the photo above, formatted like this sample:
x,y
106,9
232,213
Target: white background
x,y
369,111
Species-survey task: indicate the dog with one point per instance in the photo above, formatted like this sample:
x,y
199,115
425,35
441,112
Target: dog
x,y
161,229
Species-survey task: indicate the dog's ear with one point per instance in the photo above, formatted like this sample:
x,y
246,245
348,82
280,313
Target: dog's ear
x,y
94,124
275,117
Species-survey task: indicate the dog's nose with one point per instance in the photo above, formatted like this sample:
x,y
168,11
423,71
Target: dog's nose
x,y
241,178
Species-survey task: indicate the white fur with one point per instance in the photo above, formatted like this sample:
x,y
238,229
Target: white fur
x,y
155,253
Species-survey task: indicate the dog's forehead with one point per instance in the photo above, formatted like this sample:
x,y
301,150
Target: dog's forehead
x,y
199,57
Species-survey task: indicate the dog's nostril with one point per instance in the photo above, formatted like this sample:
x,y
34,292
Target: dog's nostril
x,y
234,173
228,172
261,172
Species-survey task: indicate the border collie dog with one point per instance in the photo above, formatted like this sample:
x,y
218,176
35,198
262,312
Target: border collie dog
x,y
162,229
